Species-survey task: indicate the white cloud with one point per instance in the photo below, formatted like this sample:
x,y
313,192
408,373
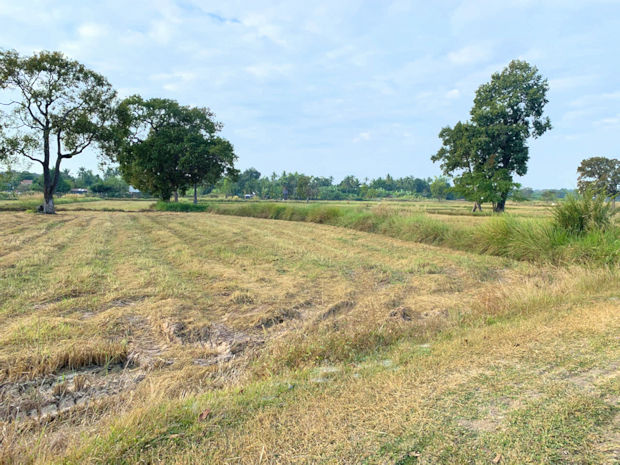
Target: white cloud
x,y
571,82
609,122
470,11
264,28
90,31
362,136
470,55
161,31
453,94
268,70
177,75
591,101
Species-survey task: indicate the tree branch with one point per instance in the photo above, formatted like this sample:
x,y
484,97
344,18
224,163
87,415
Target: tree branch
x,y
32,158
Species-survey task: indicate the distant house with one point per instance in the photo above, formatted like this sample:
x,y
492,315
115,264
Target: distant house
x,y
25,185
79,191
134,192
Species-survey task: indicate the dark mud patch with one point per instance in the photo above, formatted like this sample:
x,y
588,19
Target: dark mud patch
x,y
48,397
218,337
337,309
278,317
403,313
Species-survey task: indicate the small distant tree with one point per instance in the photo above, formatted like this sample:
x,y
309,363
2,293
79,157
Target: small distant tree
x,y
350,185
57,108
440,188
549,195
523,194
247,181
599,174
303,187
86,178
226,186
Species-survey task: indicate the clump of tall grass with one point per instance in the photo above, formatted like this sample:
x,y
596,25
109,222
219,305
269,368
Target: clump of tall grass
x,y
522,239
584,213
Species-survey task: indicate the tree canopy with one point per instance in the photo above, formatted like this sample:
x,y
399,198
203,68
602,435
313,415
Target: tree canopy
x,y
440,188
599,174
56,108
163,147
484,153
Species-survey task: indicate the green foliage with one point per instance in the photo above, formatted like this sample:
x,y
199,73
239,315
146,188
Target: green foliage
x,y
55,102
111,186
304,187
179,207
350,185
63,184
584,213
599,174
86,178
484,153
163,147
440,188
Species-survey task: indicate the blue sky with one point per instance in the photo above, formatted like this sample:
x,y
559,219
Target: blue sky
x,y
346,87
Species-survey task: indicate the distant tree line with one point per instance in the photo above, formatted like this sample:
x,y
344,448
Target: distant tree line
x,y
108,184
299,186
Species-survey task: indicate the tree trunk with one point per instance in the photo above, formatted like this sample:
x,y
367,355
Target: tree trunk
x,y
49,184
500,206
195,195
48,202
176,196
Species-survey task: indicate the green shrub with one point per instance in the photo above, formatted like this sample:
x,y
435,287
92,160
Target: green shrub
x,y
180,207
583,213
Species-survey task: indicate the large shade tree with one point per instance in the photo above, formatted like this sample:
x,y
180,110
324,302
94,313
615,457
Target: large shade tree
x,y
54,108
484,153
163,147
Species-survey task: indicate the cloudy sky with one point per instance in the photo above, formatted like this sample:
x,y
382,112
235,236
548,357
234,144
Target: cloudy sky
x,y
346,87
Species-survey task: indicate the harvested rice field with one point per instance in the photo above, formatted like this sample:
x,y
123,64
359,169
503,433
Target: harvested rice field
x,y
179,338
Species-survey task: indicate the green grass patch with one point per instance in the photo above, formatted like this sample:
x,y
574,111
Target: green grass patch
x,y
33,203
179,207
530,239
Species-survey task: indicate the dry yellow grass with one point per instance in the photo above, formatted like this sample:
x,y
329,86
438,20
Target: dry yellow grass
x,y
300,343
